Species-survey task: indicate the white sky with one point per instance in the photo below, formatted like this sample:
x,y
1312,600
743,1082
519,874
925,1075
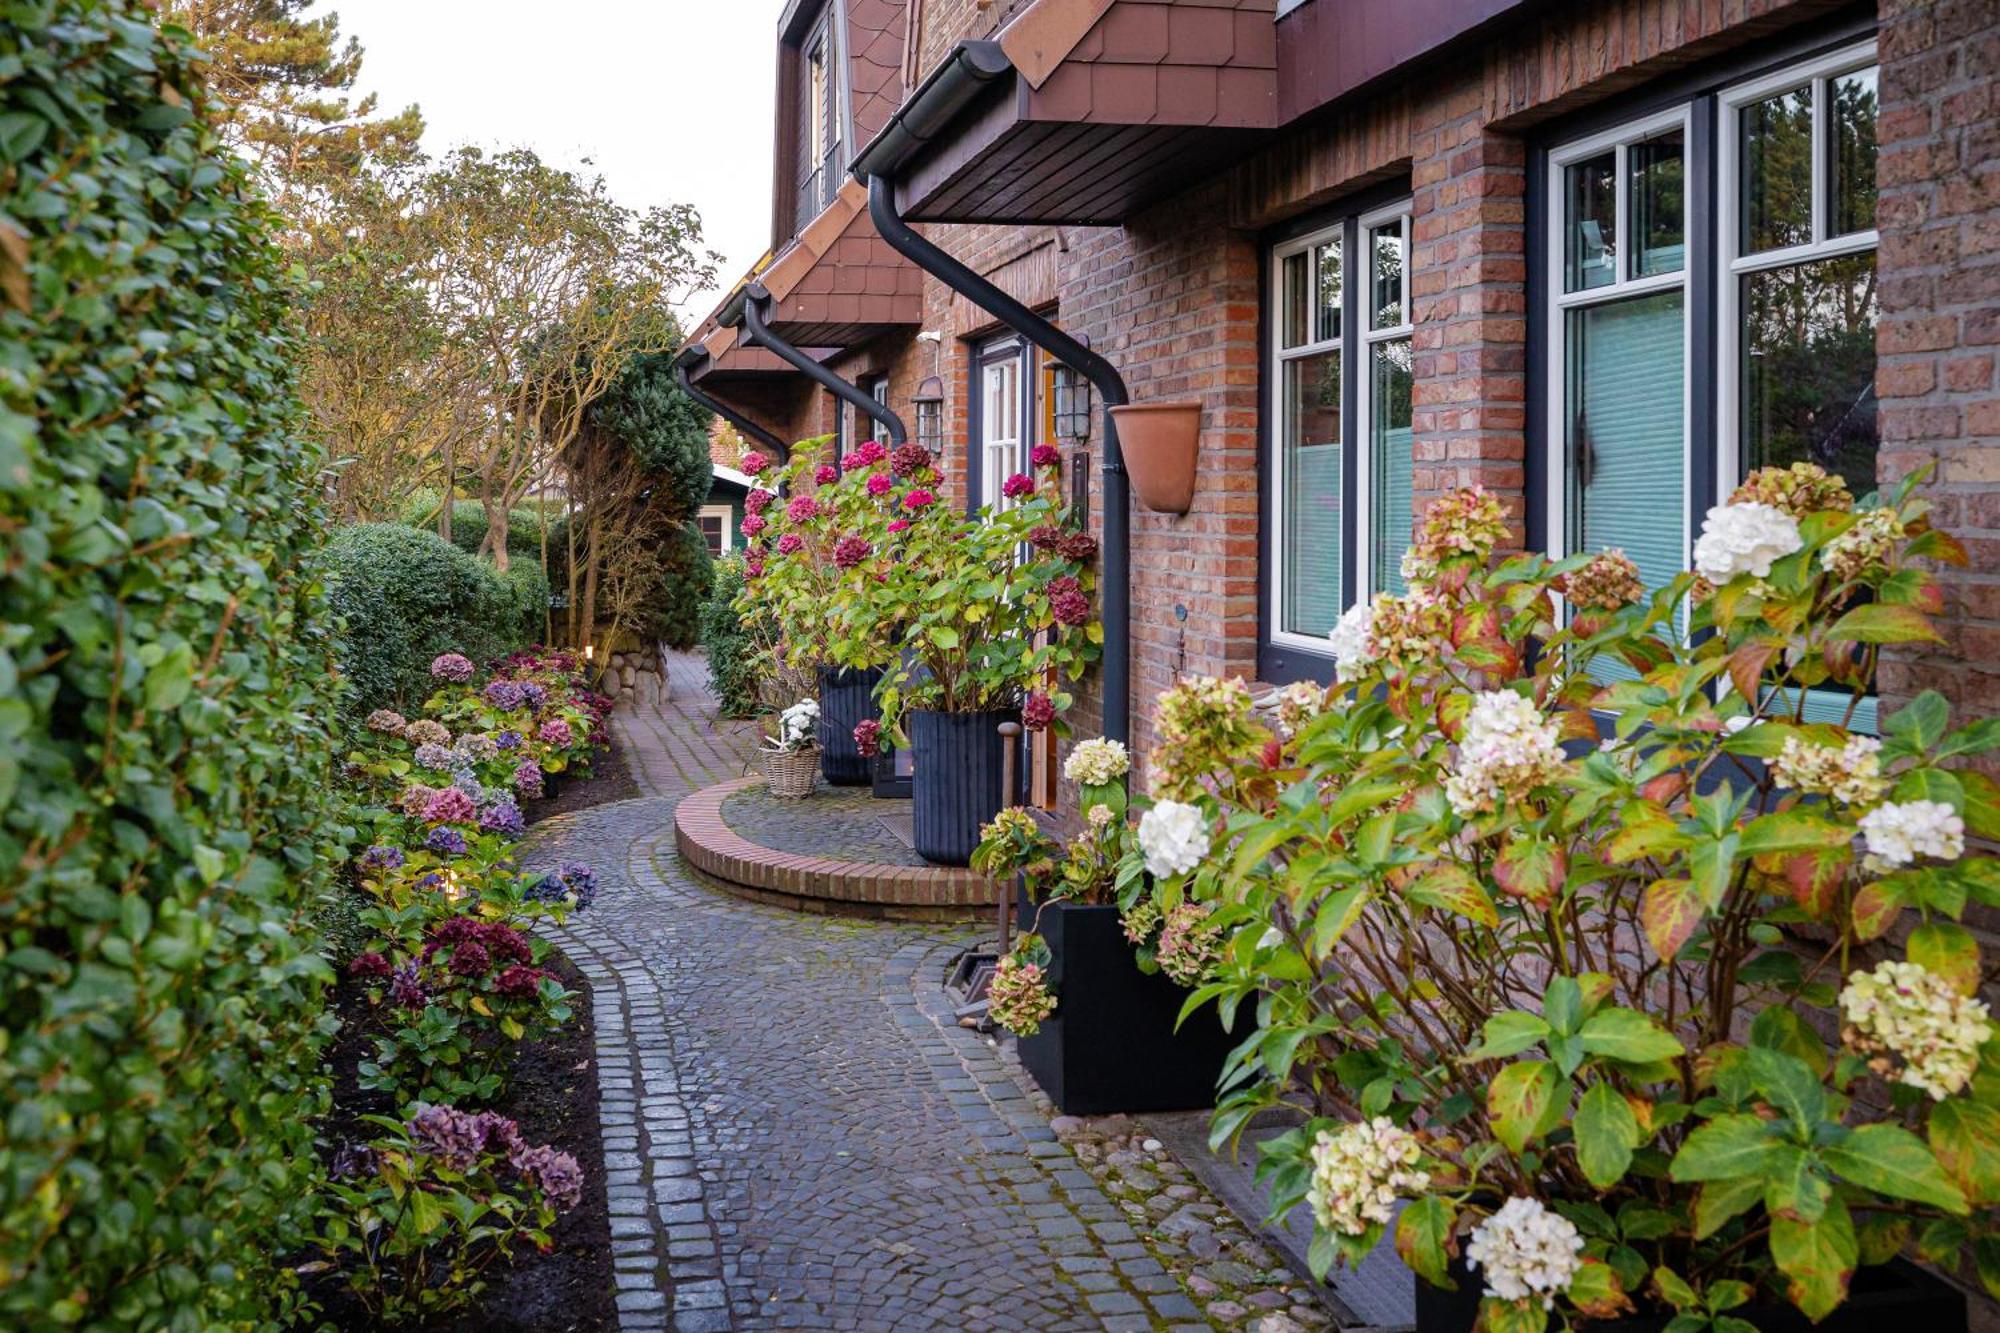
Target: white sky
x,y
671,99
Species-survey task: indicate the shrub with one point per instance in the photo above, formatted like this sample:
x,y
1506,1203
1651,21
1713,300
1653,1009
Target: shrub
x,y
468,525
672,614
164,649
407,596
732,654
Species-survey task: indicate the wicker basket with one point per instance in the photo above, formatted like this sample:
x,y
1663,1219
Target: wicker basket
x,y
791,772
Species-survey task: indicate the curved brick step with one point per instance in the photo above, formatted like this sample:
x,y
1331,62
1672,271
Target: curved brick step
x,y
819,884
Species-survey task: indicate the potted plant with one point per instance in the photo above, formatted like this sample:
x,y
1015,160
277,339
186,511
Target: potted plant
x,y
992,615
1095,987
1566,916
790,755
809,555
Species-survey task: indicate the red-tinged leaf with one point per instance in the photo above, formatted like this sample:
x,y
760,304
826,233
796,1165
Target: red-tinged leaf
x,y
1815,879
1665,787
1425,1239
1936,544
1912,587
1531,869
1817,1259
1949,951
1595,1291
1671,911
1982,803
1453,889
1876,907
1747,665
1518,1101
1578,724
1876,623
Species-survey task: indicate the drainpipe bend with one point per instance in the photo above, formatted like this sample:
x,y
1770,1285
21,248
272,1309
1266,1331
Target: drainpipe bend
x,y
1110,386
692,355
755,299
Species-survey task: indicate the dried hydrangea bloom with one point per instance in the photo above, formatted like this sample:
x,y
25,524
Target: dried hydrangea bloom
x,y
1469,522
1189,945
1850,772
1018,997
1526,1252
427,731
1141,921
1801,489
1904,1010
1608,582
1358,1173
387,721
1409,631
1864,548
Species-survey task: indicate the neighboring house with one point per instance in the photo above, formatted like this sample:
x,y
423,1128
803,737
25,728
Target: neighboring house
x,y
1600,256
721,516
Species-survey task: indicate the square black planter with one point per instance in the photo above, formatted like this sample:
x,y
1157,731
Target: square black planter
x,y
1111,1045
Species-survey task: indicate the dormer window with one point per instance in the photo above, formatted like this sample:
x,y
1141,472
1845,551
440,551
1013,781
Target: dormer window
x,y
822,150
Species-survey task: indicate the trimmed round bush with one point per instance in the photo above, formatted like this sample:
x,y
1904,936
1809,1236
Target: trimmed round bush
x,y
165,655
673,613
468,525
405,595
731,654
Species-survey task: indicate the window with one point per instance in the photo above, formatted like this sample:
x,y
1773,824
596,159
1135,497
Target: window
x,y
822,161
1710,309
1006,388
1342,363
716,523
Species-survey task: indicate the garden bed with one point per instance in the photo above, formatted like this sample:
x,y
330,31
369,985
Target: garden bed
x,y
553,1094
610,780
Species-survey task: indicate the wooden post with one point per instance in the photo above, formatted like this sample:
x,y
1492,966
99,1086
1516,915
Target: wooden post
x,y
1010,735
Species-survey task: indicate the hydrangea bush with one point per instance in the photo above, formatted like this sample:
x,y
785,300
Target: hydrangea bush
x,y
1568,917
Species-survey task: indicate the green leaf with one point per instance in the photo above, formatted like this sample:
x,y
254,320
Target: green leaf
x,y
1982,803
1606,1134
1950,951
426,1213
1795,1186
1876,623
1562,1004
1424,1239
1921,723
1719,1200
1789,1085
1508,1034
1792,831
1965,1136
1725,1148
1817,1259
1498,1316
1890,1160
1340,911
1781,1029
1451,888
1630,1036
1518,1101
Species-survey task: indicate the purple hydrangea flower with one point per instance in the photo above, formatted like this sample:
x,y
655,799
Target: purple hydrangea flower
x,y
503,816
555,1174
507,740
407,987
528,778
504,695
433,757
446,840
380,857
355,1160
534,694
574,879
453,667
555,731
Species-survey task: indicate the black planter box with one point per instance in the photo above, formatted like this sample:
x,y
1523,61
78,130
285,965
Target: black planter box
x,y
1896,1296
958,784
846,698
1111,1045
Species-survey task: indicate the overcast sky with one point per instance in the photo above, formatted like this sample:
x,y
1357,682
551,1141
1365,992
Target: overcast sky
x,y
671,99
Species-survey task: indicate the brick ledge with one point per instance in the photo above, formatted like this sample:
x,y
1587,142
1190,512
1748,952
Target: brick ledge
x,y
816,883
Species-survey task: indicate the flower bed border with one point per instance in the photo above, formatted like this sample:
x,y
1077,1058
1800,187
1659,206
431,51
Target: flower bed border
x,y
815,883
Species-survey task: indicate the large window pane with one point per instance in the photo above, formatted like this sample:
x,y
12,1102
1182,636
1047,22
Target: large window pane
x,y
1386,251
1657,188
1309,562
1292,299
1777,171
1626,423
1389,452
1327,322
1590,229
1852,112
1809,368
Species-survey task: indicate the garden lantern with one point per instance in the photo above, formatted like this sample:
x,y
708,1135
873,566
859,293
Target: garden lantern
x,y
929,400
1072,402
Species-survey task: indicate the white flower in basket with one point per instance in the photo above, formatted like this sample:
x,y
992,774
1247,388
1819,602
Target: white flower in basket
x,y
791,757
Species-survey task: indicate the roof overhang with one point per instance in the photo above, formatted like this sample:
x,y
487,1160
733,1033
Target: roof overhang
x,y
1083,111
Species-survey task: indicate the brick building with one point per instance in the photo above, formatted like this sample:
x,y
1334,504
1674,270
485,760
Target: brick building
x,y
1601,256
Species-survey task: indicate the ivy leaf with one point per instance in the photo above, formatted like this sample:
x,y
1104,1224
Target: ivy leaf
x,y
1890,1160
1629,1036
1606,1134
1518,1101
1817,1259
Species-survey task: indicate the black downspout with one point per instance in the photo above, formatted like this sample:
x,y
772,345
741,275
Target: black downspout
x,y
778,447
1111,389
755,296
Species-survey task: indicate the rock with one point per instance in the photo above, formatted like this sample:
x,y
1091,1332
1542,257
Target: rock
x,y
1183,1192
1200,1287
1228,1273
1152,1145
1250,1252
1204,1245
1122,1158
1279,1323
1268,1299
1226,1311
1159,1205
1140,1179
1308,1317
1067,1126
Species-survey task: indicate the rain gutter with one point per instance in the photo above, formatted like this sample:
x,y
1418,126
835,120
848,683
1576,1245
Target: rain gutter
x,y
697,353
749,307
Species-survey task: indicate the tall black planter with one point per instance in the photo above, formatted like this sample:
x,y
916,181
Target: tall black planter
x,y
957,786
1895,1295
846,698
1111,1045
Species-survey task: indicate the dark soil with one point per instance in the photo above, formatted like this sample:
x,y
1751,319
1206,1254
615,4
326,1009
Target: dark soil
x,y
553,1094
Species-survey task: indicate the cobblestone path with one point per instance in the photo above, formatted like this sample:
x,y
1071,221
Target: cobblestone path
x,y
796,1134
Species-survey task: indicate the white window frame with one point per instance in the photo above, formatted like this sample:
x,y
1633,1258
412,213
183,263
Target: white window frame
x,y
1364,387
728,517
1307,244
1622,287
1006,361
1732,264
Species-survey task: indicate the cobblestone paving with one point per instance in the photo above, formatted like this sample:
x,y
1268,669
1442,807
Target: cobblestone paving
x,y
843,823
796,1135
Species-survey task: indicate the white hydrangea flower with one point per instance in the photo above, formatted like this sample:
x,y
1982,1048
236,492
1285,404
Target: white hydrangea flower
x,y
796,724
1906,1010
1174,837
1744,538
1096,763
1898,834
1360,1171
1351,641
1526,1252
1507,748
1851,773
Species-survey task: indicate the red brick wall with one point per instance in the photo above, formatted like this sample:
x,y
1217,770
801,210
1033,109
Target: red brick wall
x,y
1939,289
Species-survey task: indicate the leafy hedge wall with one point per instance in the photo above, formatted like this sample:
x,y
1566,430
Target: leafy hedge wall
x,y
673,614
163,737
406,595
732,660
468,524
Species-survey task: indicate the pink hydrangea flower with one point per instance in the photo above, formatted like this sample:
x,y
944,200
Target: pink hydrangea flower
x,y
868,737
1018,485
754,463
790,543
759,500
919,500
869,453
752,524
450,806
826,474
451,666
801,508
753,568
851,550
879,483
1038,711
898,524
1045,455
555,731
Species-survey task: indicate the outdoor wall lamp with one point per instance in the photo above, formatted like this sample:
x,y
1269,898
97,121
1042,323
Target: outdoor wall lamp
x,y
929,400
1073,402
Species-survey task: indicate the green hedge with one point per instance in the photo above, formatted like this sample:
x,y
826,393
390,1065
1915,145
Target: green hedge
x,y
731,663
165,816
673,614
468,524
405,595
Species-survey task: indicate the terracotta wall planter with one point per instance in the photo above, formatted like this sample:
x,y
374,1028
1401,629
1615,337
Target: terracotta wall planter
x,y
1160,441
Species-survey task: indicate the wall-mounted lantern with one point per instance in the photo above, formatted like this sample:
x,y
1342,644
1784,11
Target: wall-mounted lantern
x,y
929,400
1072,405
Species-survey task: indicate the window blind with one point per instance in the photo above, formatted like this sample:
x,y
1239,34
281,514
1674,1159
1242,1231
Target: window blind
x,y
1628,432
